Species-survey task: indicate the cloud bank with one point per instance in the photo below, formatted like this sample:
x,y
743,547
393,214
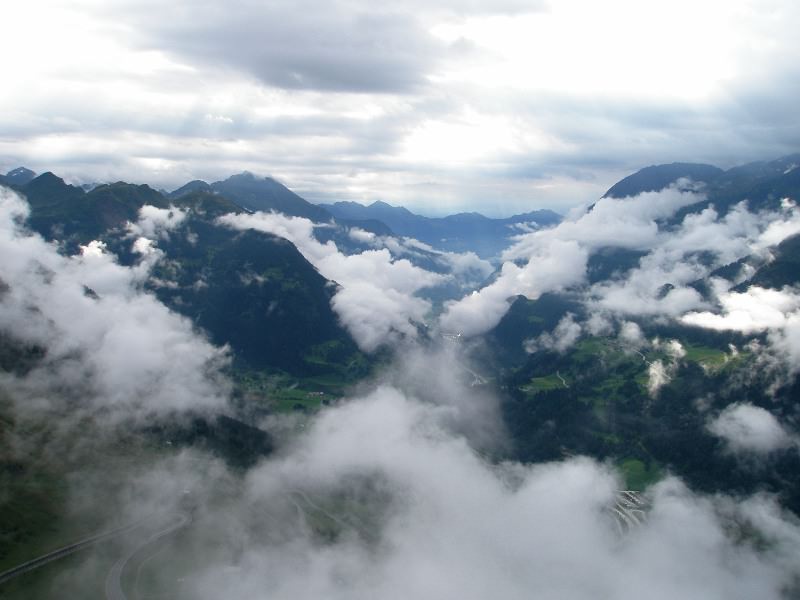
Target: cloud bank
x,y
747,428
454,526
673,257
376,301
121,351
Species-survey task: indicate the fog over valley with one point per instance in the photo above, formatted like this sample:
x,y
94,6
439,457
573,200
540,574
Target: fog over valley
x,y
347,300
440,425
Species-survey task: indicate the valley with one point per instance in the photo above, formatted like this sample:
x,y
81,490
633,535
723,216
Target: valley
x,y
290,384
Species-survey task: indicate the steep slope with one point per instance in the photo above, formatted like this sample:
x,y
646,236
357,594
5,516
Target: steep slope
x,y
782,270
254,292
250,290
762,184
657,177
628,378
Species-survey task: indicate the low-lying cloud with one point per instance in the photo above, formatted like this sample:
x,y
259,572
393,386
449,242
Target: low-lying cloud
x,y
554,267
757,310
376,301
750,429
397,477
117,347
456,526
659,284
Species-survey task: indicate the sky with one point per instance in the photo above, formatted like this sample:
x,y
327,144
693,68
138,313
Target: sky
x,y
500,107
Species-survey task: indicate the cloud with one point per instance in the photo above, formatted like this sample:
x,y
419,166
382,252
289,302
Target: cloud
x,y
555,267
363,237
123,352
419,514
563,337
755,310
557,258
389,494
611,222
332,92
156,222
750,429
341,47
376,301
659,372
466,268
632,334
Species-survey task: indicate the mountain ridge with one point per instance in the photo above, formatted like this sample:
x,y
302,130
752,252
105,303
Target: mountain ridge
x,y
459,232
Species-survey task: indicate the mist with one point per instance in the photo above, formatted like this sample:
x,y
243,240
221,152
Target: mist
x,y
123,354
402,489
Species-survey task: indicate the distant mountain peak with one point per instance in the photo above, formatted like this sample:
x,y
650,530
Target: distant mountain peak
x,y
19,176
267,194
196,185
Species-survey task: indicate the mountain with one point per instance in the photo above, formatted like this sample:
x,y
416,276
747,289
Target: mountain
x,y
17,177
196,185
49,190
783,269
762,184
657,177
615,390
265,194
250,290
455,233
67,213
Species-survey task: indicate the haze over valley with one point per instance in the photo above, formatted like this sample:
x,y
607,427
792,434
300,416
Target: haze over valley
x,y
334,300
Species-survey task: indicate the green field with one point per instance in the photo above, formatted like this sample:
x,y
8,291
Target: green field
x,y
637,474
542,384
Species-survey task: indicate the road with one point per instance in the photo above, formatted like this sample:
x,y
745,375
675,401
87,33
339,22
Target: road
x,y
629,510
114,580
562,379
65,551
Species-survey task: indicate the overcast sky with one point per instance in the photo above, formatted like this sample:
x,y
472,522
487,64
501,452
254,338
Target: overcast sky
x,y
500,106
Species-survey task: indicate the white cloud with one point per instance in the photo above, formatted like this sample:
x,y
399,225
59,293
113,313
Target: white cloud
x,y
657,377
632,334
118,347
332,92
429,518
659,372
747,428
156,222
625,223
755,310
554,267
597,324
376,302
361,236
563,337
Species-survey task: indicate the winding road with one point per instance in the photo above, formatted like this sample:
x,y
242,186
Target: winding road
x,y
114,589
44,559
113,585
629,510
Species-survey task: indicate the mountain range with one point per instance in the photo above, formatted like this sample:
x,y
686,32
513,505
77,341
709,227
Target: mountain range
x,y
636,361
462,232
